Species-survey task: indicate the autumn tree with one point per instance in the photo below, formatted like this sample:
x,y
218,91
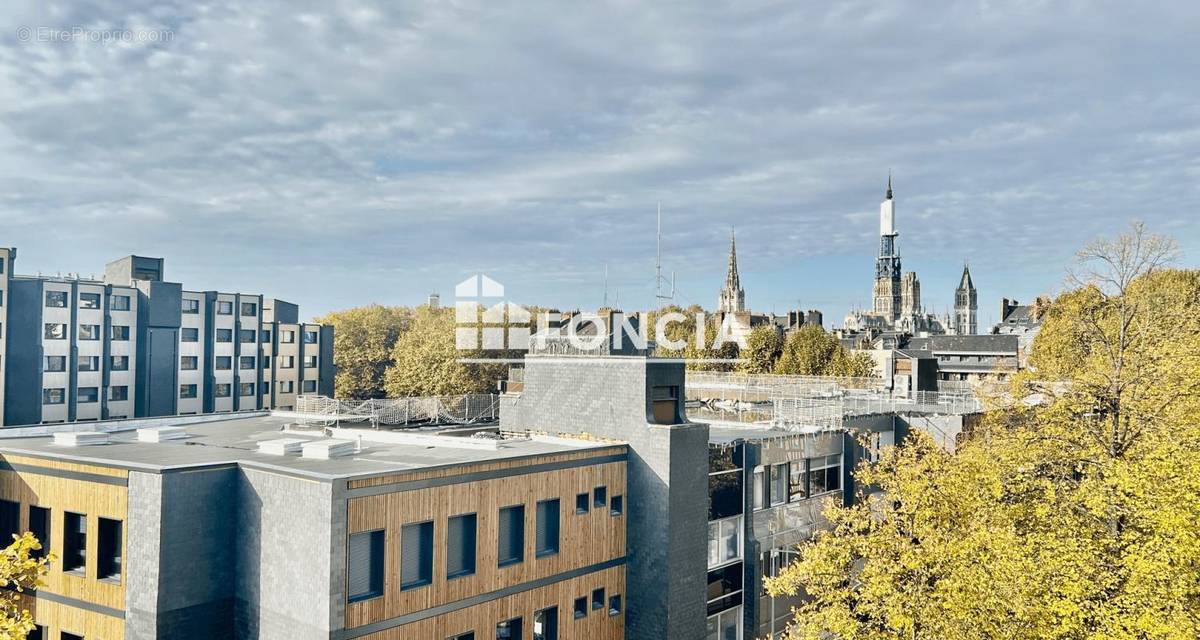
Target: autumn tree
x,y
763,347
21,570
363,341
810,351
1074,513
426,360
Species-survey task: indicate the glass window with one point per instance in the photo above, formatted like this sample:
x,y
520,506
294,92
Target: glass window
x,y
310,386
510,543
824,474
600,497
89,301
224,335
614,605
55,331
545,624
287,362
582,502
187,391
54,396
108,561
74,541
246,389
725,494
10,519
460,545
725,625
88,395
223,363
120,332
547,528
56,363
89,332
310,362
223,390
796,489
509,630
246,362
191,305
416,555
287,337
664,404
119,303
598,599
286,386
760,489
39,525
189,334
724,541
249,309
779,484
247,336
225,307
265,334
364,567
310,337
118,393
617,506
470,635
581,608
188,363
56,299
118,363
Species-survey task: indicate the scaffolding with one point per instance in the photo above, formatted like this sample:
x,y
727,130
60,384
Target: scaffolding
x,y
475,408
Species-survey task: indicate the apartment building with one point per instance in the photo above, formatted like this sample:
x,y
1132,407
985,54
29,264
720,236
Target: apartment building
x,y
133,345
227,527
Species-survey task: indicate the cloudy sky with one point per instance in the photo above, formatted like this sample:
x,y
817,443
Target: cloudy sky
x,y
337,154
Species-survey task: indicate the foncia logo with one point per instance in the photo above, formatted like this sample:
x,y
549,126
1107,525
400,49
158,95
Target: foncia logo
x,y
484,320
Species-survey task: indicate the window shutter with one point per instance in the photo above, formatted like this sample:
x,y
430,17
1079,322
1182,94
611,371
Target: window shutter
x,y
416,551
511,542
360,568
547,526
460,542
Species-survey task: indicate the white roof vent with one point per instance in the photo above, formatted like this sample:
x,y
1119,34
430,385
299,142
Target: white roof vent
x,y
280,446
326,449
161,434
80,438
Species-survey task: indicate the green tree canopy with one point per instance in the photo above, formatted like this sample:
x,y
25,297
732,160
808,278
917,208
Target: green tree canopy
x,y
810,351
363,341
425,360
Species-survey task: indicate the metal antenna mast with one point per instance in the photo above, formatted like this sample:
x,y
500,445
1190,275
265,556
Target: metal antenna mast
x,y
659,280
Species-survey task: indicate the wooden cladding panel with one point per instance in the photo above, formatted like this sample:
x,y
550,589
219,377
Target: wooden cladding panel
x,y
57,618
462,469
482,618
584,539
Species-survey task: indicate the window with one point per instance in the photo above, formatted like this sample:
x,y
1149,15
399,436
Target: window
x,y
664,402
310,386
222,390
189,334
460,546
287,337
247,336
70,636
88,395
224,335
89,301
74,541
39,631
39,525
796,489
56,363
614,605
10,520
108,561
510,544
246,362
56,299
54,396
580,608
118,393
600,497
310,362
509,630
597,599
119,303
225,307
724,587
545,624
470,635
187,391
364,567
760,489
547,528
223,363
824,474
286,386
287,362
725,625
188,363
249,309
191,305
416,555
120,332
265,335
54,331
724,541
779,480
266,362
89,332
118,363
618,506
725,494
310,337
246,389
582,502
266,388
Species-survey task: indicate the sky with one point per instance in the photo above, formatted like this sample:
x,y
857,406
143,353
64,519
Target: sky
x,y
341,154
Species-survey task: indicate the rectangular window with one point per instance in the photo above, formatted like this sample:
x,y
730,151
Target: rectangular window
x,y
286,386
54,331
724,541
618,506
470,635
310,362
89,332
287,362
10,521
545,624
510,543
509,630
249,309
56,363
266,388
189,334
665,402
246,362
118,393
725,494
74,541
246,389
265,334
364,567
88,395
600,497
57,299
824,474
120,332
760,489
779,484
310,337
247,336
89,301
223,363
597,599
581,607
191,305
796,489
614,605
287,337
416,555
188,363
54,396
223,390
108,561
187,391
547,528
583,502
266,362
39,525
310,386
460,546
118,363
70,636
119,303
224,307
224,335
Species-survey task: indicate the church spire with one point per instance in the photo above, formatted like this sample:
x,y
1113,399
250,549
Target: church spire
x,y
732,298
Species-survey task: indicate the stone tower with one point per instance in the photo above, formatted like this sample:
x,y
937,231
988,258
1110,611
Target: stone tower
x,y
966,308
910,296
732,298
887,265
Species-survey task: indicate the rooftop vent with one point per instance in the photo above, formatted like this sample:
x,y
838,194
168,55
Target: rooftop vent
x,y
161,434
326,449
80,438
280,446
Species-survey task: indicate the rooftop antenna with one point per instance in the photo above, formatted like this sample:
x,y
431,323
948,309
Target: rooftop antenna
x,y
605,284
659,280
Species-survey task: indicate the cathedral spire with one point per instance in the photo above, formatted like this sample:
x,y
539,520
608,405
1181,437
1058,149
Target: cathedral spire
x,y
732,298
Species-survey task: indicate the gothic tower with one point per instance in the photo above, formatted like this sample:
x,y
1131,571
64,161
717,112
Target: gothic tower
x,y
910,296
887,265
732,299
966,308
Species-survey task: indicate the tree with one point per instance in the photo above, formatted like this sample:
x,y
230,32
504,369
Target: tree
x,y
363,340
19,572
425,360
1074,513
763,346
810,351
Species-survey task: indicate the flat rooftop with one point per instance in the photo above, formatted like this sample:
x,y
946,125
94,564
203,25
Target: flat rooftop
x,y
226,440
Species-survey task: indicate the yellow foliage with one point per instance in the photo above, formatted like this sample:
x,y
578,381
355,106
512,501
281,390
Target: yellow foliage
x,y
19,572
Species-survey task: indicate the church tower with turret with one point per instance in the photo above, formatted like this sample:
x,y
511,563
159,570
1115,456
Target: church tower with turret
x,y
966,307
887,265
732,299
